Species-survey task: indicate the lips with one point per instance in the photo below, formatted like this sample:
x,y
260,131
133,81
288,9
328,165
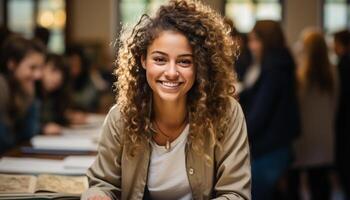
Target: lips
x,y
170,84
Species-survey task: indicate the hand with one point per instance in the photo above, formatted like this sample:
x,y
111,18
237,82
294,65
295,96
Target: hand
x,y
76,117
52,129
99,198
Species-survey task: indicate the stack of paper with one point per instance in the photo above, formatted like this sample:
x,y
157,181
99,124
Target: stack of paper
x,y
78,162
63,142
71,165
35,166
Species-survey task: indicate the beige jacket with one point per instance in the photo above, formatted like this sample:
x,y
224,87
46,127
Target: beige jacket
x,y
120,176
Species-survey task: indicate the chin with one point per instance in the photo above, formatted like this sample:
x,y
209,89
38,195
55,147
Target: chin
x,y
170,97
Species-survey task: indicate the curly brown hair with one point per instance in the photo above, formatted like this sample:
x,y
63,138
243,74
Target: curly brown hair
x,y
209,98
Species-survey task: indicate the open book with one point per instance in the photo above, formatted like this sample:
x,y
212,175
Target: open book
x,y
44,186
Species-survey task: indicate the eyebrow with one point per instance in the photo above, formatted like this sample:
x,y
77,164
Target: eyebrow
x,y
182,55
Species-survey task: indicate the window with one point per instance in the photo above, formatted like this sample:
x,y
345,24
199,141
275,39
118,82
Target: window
x,y
336,15
131,10
52,15
24,15
245,13
21,17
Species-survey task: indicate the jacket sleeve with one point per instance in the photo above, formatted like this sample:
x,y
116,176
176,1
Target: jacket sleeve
x,y
105,173
233,171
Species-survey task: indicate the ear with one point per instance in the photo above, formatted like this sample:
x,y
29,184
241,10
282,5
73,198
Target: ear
x,y
143,61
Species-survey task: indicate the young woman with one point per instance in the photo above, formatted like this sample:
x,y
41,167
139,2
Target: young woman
x,y
317,92
84,93
270,105
176,131
20,66
53,94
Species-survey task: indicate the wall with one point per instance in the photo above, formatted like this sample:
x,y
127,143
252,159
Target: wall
x,y
300,14
93,21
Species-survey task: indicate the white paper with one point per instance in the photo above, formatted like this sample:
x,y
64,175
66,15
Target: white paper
x,y
80,162
37,166
62,142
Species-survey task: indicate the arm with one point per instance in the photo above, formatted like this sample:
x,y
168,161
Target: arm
x,y
105,173
233,174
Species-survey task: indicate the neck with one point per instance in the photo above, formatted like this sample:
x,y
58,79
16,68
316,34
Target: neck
x,y
170,115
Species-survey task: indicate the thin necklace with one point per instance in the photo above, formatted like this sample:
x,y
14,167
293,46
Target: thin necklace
x,y
167,143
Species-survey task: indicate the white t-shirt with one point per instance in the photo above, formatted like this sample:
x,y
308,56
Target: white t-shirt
x,y
167,177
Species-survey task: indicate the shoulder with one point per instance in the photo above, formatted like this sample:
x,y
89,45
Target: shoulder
x,y
234,109
113,123
114,117
114,113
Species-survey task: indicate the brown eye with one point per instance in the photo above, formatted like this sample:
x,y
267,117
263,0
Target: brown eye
x,y
185,62
159,60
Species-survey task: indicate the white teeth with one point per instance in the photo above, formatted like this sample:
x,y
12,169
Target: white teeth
x,y
170,84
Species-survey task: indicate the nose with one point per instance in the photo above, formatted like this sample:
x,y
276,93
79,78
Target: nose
x,y
171,72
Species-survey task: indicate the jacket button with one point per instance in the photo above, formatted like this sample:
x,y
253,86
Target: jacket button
x,y
191,171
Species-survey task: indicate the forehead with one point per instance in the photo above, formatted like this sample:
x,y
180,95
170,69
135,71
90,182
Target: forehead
x,y
170,42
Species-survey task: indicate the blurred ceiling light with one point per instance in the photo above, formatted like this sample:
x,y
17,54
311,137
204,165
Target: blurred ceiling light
x,y
60,19
46,19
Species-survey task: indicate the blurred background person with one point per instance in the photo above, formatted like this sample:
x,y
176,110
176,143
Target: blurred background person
x,y
269,102
84,93
317,94
21,63
342,50
53,93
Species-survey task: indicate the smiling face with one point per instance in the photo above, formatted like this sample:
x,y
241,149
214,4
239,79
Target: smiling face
x,y
28,71
169,67
52,77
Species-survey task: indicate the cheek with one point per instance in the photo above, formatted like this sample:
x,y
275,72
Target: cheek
x,y
152,71
57,80
149,76
23,73
190,77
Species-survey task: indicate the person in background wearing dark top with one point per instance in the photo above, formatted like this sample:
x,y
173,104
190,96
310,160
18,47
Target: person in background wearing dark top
x,y
270,105
342,49
53,94
42,34
21,61
84,94
318,95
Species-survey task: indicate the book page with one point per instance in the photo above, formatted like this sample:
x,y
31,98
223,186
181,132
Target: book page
x,y
62,184
17,183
